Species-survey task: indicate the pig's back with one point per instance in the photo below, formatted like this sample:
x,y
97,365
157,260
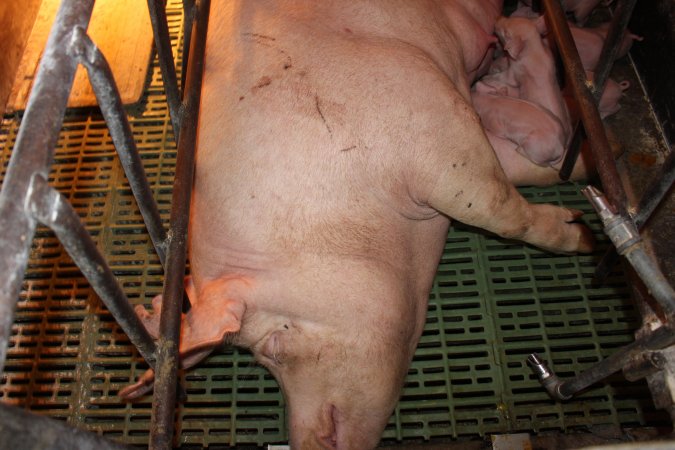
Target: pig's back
x,y
306,148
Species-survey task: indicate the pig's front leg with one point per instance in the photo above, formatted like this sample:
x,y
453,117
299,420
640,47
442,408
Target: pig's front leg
x,y
472,187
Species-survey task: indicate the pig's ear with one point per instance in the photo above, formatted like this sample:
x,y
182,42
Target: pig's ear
x,y
214,316
514,46
540,24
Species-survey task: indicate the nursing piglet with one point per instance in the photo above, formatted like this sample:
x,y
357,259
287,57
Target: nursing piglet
x,y
531,66
538,134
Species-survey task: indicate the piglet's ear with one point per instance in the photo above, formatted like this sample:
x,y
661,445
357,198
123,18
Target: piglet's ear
x,y
540,24
514,46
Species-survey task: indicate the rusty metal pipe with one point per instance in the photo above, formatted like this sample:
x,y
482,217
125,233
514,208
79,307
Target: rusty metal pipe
x,y
617,29
163,408
33,153
590,117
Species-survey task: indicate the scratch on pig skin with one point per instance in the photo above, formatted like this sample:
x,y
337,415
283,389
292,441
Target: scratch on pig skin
x,y
262,82
318,108
259,36
348,148
458,194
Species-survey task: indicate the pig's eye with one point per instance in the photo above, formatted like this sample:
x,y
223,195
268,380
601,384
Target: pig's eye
x,y
272,350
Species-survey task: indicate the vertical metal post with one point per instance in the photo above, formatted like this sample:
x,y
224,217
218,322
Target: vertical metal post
x,y
590,117
163,408
33,152
617,29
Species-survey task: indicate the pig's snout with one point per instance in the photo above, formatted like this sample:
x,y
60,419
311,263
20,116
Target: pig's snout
x,y
333,431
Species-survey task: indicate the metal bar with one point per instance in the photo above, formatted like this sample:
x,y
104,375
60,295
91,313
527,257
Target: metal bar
x,y
590,117
109,100
20,429
52,209
33,153
617,29
188,19
563,390
160,29
163,408
652,197
626,238
615,34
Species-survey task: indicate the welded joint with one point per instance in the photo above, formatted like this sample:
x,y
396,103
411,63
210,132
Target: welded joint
x,y
43,202
620,229
643,365
546,377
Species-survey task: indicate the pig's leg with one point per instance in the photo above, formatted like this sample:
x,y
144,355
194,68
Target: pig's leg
x,y
472,188
213,316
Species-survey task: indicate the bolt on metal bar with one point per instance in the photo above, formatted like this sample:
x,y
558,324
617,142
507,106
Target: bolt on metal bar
x,y
109,101
53,210
33,153
626,238
617,29
160,29
163,408
590,117
654,194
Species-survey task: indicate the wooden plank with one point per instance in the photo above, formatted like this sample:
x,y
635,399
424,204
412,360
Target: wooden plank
x,y
120,28
16,21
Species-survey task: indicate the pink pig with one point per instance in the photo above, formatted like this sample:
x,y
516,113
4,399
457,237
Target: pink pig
x,y
589,42
538,134
323,192
611,94
531,66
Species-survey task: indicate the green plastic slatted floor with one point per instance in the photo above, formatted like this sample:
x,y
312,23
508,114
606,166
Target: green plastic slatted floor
x,y
493,302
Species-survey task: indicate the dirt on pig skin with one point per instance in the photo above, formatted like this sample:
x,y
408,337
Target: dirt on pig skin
x,y
336,141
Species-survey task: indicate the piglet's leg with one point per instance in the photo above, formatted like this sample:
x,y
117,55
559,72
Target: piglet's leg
x,y
211,319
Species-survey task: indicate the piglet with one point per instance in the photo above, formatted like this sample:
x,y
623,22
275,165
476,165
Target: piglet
x,y
538,134
611,94
589,43
531,66
626,42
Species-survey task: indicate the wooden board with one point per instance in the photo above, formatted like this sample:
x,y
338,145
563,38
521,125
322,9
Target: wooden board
x,y
120,28
16,21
